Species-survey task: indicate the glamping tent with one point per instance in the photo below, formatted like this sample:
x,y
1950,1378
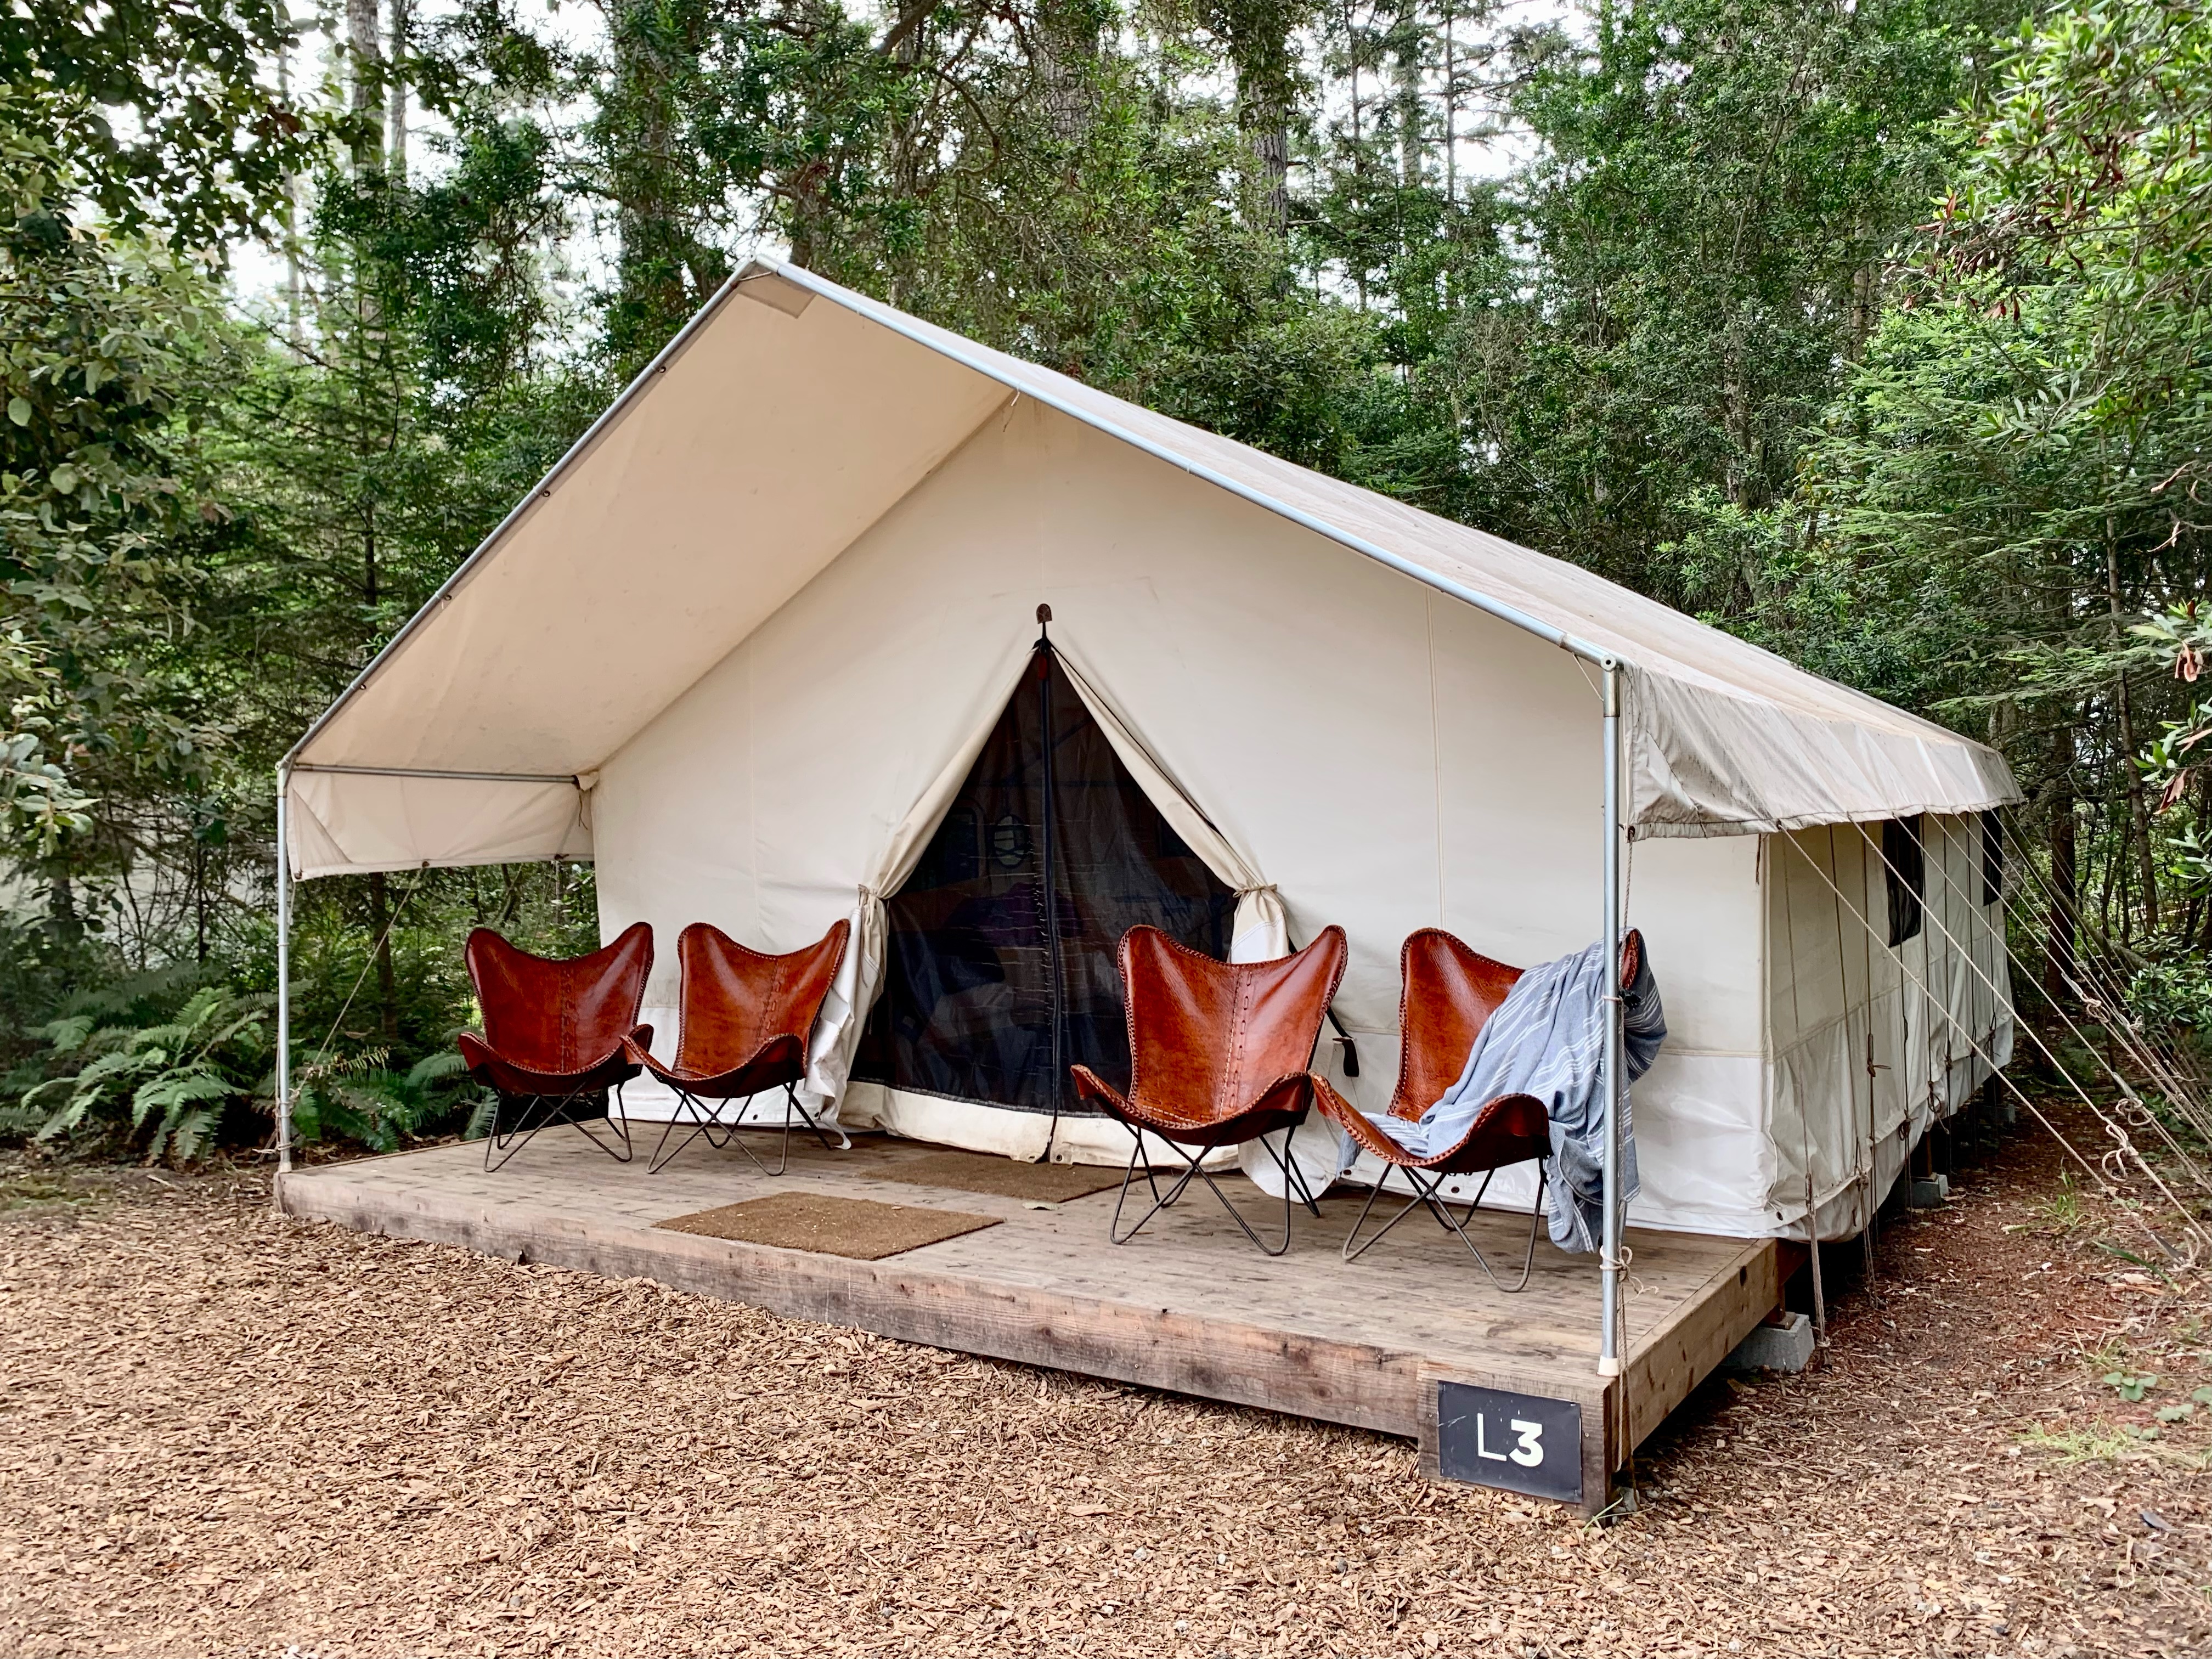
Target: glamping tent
x,y
765,646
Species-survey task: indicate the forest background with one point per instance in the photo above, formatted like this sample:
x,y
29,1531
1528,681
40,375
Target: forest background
x,y
1875,332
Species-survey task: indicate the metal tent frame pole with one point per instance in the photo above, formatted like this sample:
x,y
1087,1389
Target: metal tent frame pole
x,y
284,972
1609,1249
285,770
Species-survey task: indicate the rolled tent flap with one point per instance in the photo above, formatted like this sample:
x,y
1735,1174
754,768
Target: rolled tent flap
x,y
860,976
1261,931
1704,761
346,822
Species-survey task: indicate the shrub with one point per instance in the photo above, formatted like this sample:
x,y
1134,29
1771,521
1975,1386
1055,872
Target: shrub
x,y
207,1047
2175,992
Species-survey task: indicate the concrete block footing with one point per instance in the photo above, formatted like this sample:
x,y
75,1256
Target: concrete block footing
x,y
1783,1344
1928,1192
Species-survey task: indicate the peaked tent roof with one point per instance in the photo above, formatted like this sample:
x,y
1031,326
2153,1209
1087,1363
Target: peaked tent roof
x,y
803,412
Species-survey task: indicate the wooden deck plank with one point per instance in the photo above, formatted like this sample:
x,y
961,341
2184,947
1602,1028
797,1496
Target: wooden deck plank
x,y
1188,1306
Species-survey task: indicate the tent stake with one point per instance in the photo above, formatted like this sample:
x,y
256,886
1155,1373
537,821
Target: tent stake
x,y
1610,1263
283,976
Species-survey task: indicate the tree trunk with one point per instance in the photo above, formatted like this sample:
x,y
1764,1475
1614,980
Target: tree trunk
x,y
1257,35
2058,954
60,911
365,63
2138,809
642,119
1351,46
1067,61
1408,38
291,222
387,991
199,887
395,120
2203,816
1451,103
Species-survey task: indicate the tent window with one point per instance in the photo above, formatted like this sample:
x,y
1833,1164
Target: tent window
x,y
972,990
1992,857
1904,869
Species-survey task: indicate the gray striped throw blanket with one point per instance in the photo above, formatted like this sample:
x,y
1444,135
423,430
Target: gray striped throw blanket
x,y
1548,1039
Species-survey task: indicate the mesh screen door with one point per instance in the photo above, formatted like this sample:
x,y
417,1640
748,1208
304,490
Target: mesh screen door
x,y
1000,971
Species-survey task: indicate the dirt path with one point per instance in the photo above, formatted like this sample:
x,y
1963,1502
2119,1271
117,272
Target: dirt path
x,y
226,1432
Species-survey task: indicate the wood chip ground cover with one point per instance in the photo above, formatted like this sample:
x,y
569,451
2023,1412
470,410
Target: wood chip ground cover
x,y
226,1433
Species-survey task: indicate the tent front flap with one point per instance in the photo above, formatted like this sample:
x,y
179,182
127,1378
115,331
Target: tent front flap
x,y
339,823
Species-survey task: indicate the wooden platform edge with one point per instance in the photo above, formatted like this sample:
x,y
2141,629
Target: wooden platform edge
x,y
1595,1395
1619,1415
1685,1348
1357,1384
1391,1391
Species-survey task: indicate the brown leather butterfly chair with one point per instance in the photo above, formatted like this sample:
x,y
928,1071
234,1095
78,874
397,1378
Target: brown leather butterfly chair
x,y
1218,1056
746,1020
554,1037
1449,993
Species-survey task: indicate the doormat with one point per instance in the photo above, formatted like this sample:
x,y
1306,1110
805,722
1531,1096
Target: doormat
x,y
973,1172
857,1227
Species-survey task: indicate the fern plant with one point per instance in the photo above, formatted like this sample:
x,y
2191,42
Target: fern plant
x,y
358,1098
171,1081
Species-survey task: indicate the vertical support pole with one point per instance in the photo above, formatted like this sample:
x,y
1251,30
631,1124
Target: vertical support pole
x,y
1609,1260
1043,654
283,973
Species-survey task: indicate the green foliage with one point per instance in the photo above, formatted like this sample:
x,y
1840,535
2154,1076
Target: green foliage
x,y
111,350
374,1107
1716,188
2175,758
2131,1386
204,143
153,1062
1999,516
2174,993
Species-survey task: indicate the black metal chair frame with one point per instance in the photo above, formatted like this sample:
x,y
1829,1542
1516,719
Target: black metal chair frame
x,y
522,1131
1294,1185
1428,1190
708,1119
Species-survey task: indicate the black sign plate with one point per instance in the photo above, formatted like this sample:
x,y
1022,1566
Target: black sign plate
x,y
1520,1442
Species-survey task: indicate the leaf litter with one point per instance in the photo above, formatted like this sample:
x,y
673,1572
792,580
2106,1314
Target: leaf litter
x,y
232,1433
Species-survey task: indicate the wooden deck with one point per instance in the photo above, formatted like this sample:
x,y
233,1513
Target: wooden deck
x,y
1188,1306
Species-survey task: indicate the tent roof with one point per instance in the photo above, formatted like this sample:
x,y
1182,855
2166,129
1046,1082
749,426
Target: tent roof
x,y
791,414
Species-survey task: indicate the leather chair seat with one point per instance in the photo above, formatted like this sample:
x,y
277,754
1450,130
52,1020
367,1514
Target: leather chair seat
x,y
558,1034
1218,1056
746,1018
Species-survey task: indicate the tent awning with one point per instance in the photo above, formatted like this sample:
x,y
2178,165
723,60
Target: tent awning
x,y
787,418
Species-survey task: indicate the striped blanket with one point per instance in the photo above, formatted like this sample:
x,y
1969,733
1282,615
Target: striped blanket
x,y
1548,1039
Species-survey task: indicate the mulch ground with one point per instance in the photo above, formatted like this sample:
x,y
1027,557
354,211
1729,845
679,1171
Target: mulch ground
x,y
226,1432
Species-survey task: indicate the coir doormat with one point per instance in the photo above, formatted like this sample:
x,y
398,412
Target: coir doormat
x,y
973,1172
857,1227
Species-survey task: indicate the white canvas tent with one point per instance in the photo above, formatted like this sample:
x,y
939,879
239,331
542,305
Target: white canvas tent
x,y
742,644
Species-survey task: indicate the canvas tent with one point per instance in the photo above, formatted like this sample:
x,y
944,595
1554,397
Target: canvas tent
x,y
753,647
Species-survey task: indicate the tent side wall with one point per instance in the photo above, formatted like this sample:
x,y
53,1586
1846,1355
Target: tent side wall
x,y
1388,759
1873,1044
